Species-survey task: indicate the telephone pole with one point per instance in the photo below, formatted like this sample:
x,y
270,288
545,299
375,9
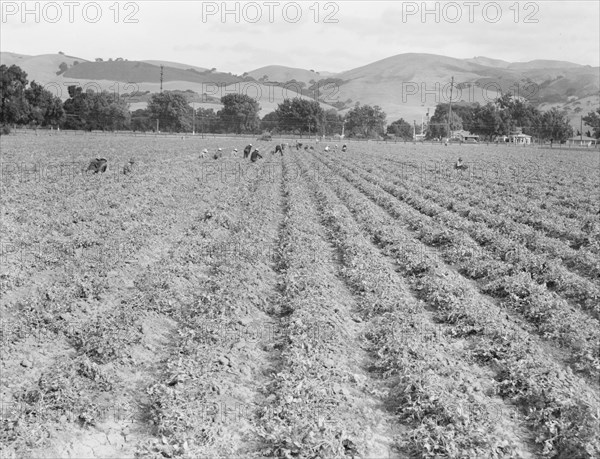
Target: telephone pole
x,y
161,77
450,108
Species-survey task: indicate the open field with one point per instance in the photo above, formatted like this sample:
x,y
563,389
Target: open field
x,y
373,303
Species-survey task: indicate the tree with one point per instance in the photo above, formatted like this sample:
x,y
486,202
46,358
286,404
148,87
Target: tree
x,y
555,125
518,112
45,109
207,120
62,68
141,120
592,119
401,128
92,110
333,122
270,122
300,115
488,122
239,113
13,106
172,110
438,125
365,121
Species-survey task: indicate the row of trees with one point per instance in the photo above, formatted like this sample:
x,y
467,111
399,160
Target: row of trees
x,y
171,111
20,104
503,116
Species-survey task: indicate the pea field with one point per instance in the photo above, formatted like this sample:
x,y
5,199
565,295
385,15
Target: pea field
x,y
373,303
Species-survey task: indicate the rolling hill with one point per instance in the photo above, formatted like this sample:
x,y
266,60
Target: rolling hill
x,y
282,74
176,65
405,85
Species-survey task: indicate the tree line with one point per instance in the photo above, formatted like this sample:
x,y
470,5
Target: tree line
x,y
170,111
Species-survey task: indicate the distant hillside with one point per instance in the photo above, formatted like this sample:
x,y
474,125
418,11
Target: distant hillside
x,y
141,72
405,85
543,64
283,74
42,68
488,62
176,65
390,82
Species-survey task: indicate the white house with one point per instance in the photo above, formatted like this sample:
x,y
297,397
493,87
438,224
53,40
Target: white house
x,y
521,139
582,141
463,136
518,137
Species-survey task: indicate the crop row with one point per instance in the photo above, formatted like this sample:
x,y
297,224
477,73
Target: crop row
x,y
550,316
560,407
213,287
543,269
100,317
524,187
315,416
415,365
525,209
478,204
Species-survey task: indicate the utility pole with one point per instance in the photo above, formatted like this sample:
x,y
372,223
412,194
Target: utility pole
x,y
193,118
450,108
581,129
161,77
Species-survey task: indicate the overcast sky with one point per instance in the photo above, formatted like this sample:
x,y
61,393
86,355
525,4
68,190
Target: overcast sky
x,y
324,36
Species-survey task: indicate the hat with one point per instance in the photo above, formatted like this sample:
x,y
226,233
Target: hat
x,y
235,149
205,151
219,149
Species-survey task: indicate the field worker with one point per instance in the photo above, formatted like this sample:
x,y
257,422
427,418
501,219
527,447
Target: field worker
x,y
218,153
459,165
327,148
234,152
204,153
344,147
278,149
255,155
247,150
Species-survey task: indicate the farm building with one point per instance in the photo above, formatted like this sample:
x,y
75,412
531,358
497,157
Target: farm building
x,y
582,141
464,136
518,137
521,139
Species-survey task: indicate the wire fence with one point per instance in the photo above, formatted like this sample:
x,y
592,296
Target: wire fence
x,y
583,146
